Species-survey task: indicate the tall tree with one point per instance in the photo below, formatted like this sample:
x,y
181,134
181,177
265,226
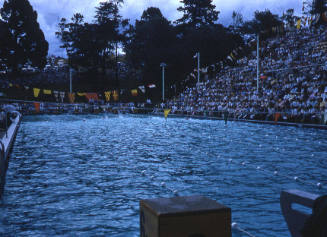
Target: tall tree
x,y
110,30
6,45
28,44
80,41
289,18
262,24
319,6
197,13
151,42
237,20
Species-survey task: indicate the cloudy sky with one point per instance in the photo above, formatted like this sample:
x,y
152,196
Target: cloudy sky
x,y
51,11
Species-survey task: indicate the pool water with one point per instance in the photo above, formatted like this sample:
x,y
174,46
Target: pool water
x,y
85,174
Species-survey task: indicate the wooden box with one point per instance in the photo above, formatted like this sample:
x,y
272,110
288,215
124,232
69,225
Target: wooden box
x,y
194,216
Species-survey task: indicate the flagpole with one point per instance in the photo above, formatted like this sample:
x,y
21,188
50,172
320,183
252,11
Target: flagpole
x,y
163,65
163,83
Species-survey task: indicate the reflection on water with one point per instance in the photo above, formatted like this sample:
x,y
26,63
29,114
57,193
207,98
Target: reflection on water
x,y
82,175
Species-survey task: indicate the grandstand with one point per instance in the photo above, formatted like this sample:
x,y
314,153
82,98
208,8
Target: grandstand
x,y
292,82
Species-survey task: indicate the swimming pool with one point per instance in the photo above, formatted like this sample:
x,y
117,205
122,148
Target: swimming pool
x,y
85,175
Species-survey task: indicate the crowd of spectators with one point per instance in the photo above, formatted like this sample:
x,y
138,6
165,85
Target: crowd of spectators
x,y
292,84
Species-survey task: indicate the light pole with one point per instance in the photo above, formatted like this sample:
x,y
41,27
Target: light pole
x,y
197,55
163,65
70,80
258,63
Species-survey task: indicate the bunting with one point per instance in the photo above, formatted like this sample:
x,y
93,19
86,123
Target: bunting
x,y
142,88
134,92
92,96
56,94
62,96
37,107
36,92
47,92
71,97
107,95
166,112
298,24
115,95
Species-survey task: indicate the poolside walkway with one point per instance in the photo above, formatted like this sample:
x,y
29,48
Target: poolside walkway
x,y
300,125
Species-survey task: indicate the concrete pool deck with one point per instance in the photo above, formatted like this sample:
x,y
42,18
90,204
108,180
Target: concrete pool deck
x,y
6,143
300,125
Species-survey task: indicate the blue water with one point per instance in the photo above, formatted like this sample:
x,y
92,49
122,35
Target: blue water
x,y
82,175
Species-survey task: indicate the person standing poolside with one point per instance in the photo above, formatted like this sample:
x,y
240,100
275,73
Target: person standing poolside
x,y
226,115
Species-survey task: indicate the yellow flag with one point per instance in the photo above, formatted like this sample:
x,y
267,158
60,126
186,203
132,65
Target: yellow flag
x,y
134,92
115,95
107,95
36,92
166,112
298,24
81,94
47,92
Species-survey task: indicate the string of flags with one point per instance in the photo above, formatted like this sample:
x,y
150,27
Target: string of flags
x,y
304,21
90,96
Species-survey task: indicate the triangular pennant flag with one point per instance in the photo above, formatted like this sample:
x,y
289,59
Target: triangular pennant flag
x,y
142,88
71,97
47,92
37,107
134,92
92,96
62,96
115,95
298,24
107,95
56,94
166,112
36,92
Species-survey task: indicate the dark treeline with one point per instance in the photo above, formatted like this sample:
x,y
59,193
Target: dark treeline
x,y
93,47
21,39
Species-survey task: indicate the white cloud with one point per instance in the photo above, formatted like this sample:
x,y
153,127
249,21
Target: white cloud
x,y
248,7
51,11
